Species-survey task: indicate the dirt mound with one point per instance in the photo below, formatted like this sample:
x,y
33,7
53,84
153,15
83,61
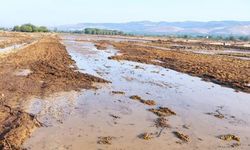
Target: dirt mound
x,y
15,127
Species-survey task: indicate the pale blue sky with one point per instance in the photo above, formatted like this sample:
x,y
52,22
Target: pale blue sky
x,y
56,12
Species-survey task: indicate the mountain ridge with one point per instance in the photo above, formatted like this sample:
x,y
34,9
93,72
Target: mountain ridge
x,y
161,28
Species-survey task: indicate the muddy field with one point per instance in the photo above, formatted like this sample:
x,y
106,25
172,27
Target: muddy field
x,y
39,69
9,39
219,69
111,92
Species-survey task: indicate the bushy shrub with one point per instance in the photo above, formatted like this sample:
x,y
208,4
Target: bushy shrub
x,y
26,28
16,28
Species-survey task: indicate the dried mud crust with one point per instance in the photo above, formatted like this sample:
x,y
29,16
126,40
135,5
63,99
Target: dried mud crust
x,y
222,70
50,71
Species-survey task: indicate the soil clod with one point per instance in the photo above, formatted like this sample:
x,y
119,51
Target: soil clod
x,y
161,123
162,111
107,140
229,137
118,92
181,136
146,136
147,102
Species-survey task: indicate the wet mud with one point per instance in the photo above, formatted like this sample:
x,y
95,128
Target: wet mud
x,y
162,111
49,71
147,102
181,136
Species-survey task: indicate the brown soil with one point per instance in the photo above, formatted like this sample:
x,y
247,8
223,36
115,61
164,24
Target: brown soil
x,y
218,69
15,127
14,38
105,140
49,64
195,45
135,97
147,102
146,136
236,54
229,137
101,45
184,138
162,111
161,123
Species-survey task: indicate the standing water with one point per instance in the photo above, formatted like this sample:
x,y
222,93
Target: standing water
x,y
77,120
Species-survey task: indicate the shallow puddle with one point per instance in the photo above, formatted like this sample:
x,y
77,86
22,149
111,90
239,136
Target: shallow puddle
x,y
76,120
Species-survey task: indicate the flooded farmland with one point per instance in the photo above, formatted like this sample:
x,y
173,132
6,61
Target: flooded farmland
x,y
124,75
185,111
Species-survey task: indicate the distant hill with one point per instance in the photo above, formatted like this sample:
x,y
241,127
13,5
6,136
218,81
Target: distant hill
x,y
160,28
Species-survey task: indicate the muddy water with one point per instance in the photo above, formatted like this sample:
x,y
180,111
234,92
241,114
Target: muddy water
x,y
75,120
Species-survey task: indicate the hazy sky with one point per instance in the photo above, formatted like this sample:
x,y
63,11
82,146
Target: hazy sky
x,y
56,12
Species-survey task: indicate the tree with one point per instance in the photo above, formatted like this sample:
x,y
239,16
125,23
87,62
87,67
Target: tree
x,y
231,38
244,38
43,29
102,31
30,28
26,28
16,28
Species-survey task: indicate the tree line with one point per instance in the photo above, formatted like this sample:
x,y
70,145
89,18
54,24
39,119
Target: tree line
x,y
244,38
99,31
30,28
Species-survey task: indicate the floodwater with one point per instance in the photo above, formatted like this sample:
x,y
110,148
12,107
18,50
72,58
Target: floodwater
x,y
75,120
